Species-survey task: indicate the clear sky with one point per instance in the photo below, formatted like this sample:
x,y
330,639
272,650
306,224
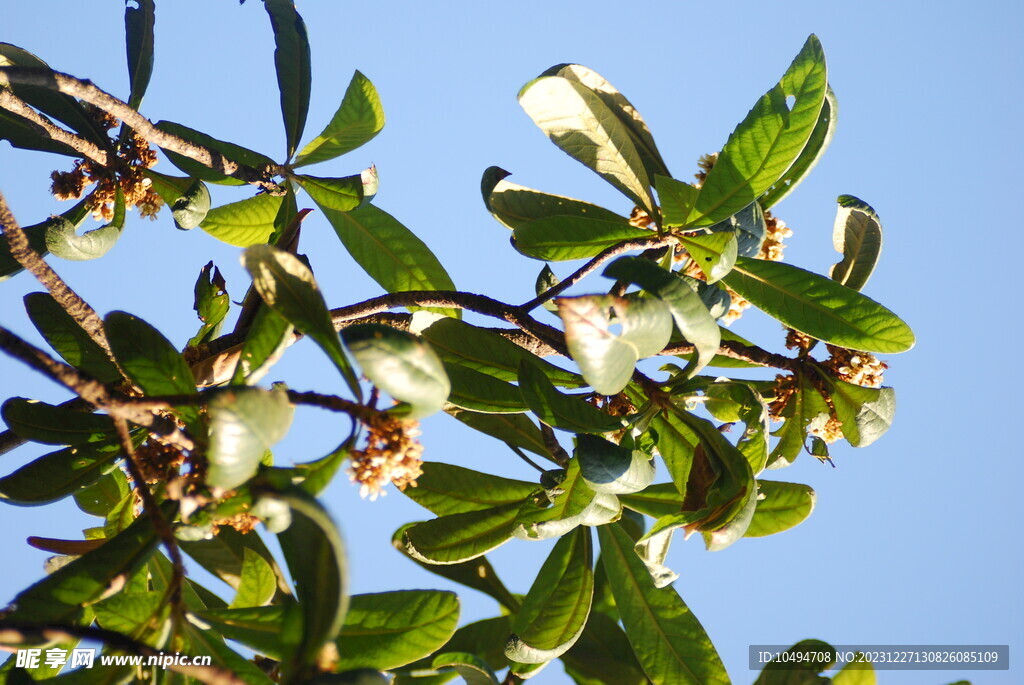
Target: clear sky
x,y
913,540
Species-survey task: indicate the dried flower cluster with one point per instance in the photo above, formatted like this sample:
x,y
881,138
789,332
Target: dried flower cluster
x,y
859,368
158,462
828,428
127,173
392,454
795,340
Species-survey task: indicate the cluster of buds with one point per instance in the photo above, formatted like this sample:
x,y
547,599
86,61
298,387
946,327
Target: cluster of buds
x,y
243,522
158,462
641,219
775,232
859,368
392,454
795,340
828,428
127,174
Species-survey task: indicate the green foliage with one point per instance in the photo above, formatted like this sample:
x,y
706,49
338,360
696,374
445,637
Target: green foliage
x,y
197,454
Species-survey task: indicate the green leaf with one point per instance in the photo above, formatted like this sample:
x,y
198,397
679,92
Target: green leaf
x,y
49,101
608,360
461,537
266,341
191,207
229,151
400,364
567,412
578,121
622,108
54,425
689,312
39,236
602,656
63,242
714,253
150,360
244,423
388,251
866,413
340,194
677,199
287,286
479,392
224,556
294,74
805,410
489,352
316,558
611,468
446,489
780,506
128,612
514,205
662,499
477,573
767,142
68,339
387,630
556,608
258,628
207,643
860,673
58,474
668,640
514,429
100,498
359,118
546,280
138,28
857,235
676,445
60,596
555,512
258,582
799,671
819,307
243,223
472,668
26,135
749,227
211,303
561,238
819,141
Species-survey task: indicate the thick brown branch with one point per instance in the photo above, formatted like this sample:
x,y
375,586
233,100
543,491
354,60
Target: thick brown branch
x,y
736,350
85,90
16,633
591,266
73,304
91,390
12,103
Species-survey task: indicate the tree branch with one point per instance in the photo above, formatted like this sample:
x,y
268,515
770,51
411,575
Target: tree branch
x,y
91,390
85,90
12,103
588,268
12,632
73,304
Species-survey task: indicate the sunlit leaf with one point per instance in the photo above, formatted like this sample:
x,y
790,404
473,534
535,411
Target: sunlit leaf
x,y
780,506
244,423
611,468
714,253
64,242
359,118
191,207
559,509
228,151
400,364
480,392
461,537
819,307
857,235
287,286
561,238
447,489
58,474
243,223
866,413
54,425
515,205
558,410
819,141
578,121
668,640
767,142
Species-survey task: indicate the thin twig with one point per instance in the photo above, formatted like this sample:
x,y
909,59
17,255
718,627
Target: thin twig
x,y
12,103
73,304
13,632
160,524
591,266
522,455
85,90
91,390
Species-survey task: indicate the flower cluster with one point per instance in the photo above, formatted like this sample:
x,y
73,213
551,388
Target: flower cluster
x,y
859,368
158,462
392,454
127,173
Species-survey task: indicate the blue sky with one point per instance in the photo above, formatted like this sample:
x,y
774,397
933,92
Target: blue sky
x,y
912,540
